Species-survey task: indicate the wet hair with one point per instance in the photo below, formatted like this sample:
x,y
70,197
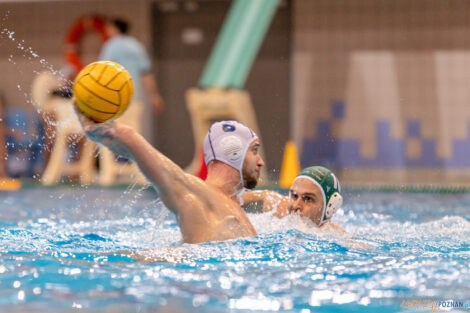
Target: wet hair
x,y
121,24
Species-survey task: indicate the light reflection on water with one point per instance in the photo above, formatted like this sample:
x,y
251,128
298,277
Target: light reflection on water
x,y
55,246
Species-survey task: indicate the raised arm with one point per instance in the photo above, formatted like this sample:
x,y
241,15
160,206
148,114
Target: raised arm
x,y
172,182
271,201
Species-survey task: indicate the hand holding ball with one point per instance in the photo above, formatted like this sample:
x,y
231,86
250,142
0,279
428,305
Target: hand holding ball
x,y
103,90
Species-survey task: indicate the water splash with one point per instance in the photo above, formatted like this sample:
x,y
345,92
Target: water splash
x,y
29,54
6,15
66,251
40,64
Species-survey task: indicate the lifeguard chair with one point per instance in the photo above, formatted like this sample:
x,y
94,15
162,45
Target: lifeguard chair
x,y
66,124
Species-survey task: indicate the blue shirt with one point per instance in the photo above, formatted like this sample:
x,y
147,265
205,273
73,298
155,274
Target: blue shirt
x,y
130,53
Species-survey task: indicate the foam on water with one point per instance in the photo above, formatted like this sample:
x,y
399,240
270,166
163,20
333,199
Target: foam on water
x,y
59,252
268,223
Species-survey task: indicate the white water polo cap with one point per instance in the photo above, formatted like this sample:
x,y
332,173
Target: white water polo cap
x,y
228,142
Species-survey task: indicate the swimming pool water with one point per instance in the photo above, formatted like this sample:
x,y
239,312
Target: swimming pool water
x,y
54,245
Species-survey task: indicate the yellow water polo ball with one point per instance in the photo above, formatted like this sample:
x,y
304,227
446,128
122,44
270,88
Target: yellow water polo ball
x,y
103,90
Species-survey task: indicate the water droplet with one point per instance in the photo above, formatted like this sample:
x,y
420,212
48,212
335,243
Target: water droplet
x,y
75,271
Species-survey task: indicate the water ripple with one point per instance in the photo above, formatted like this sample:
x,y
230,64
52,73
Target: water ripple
x,y
83,253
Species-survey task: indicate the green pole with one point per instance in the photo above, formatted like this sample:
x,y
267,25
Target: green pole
x,y
238,43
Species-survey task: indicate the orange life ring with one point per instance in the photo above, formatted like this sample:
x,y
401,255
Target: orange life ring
x,y
76,32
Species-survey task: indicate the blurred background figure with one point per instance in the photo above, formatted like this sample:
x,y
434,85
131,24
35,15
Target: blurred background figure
x,y
389,107
130,53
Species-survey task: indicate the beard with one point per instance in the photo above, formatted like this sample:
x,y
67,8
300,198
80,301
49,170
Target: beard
x,y
249,181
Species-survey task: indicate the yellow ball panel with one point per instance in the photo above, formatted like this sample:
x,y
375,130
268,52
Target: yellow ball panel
x,y
125,91
94,91
130,85
114,74
97,69
90,113
118,82
94,103
82,73
103,90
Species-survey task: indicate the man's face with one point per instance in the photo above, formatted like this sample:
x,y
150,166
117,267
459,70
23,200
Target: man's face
x,y
306,199
252,165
